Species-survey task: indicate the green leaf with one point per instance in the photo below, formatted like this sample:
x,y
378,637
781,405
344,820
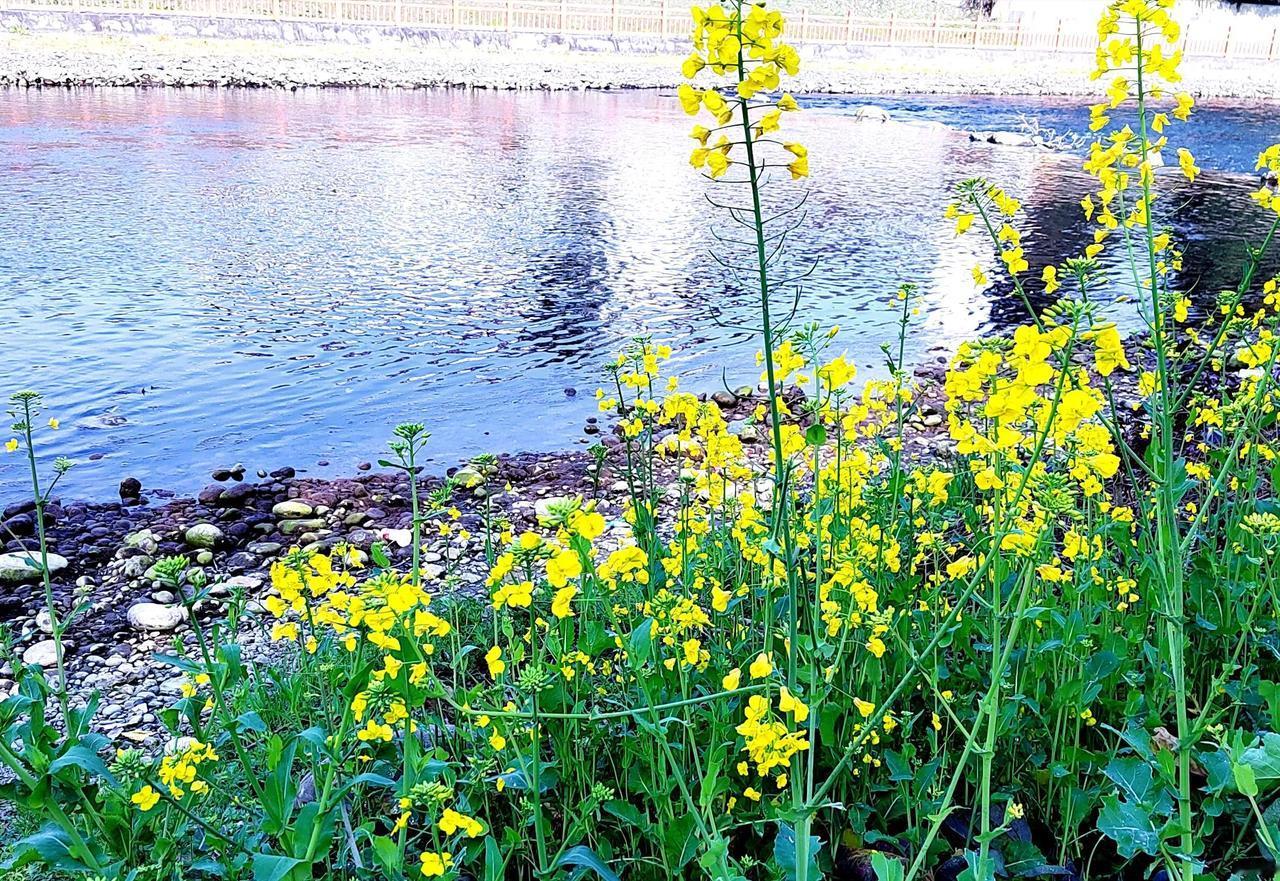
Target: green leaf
x,y
628,813
641,642
1129,826
250,722
84,759
785,855
49,846
815,435
1264,760
583,856
1133,777
887,868
271,867
388,854
1246,780
494,864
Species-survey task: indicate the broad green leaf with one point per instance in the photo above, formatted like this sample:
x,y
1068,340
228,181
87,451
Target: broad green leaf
x,y
887,868
1129,826
583,856
272,867
85,759
786,856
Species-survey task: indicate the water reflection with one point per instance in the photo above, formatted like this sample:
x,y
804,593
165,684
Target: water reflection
x,y
198,278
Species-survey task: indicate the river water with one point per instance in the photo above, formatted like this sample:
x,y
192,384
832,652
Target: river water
x,y
200,278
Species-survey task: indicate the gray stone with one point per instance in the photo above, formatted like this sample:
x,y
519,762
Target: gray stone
x,y
289,527
468,477
43,653
292,509
203,535
21,566
153,616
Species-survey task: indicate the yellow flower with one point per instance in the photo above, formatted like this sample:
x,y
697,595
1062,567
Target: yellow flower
x,y
563,566
497,741
1050,277
12,445
1187,163
692,650
145,798
760,667
435,864
589,525
690,98
789,703
864,708
561,604
720,599
451,821
54,423
1109,351
731,681
493,658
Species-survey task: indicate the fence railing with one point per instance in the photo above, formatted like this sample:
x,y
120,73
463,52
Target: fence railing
x,y
670,18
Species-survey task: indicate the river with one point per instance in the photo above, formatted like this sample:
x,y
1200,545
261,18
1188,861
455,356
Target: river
x,y
197,278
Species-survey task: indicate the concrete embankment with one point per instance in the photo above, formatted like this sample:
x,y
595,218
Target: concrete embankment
x,y
99,49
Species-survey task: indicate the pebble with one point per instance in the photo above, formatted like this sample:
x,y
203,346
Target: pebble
x,y
154,616
203,535
21,566
44,653
292,509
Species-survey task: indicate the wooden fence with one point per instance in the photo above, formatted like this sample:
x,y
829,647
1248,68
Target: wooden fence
x,y
669,18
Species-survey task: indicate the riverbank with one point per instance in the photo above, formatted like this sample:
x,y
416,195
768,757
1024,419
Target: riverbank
x,y
234,529
67,59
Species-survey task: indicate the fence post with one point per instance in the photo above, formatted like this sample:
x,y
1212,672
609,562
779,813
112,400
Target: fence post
x,y
803,32
933,37
848,34
508,16
453,13
890,40
1226,48
1057,39
975,34
662,29
613,17
1275,33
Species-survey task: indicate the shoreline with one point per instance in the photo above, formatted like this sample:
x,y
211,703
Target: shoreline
x,y
235,529
70,59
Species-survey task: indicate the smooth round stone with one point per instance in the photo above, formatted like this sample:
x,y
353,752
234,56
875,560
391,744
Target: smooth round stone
x,y
293,509
21,566
153,616
203,535
44,653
